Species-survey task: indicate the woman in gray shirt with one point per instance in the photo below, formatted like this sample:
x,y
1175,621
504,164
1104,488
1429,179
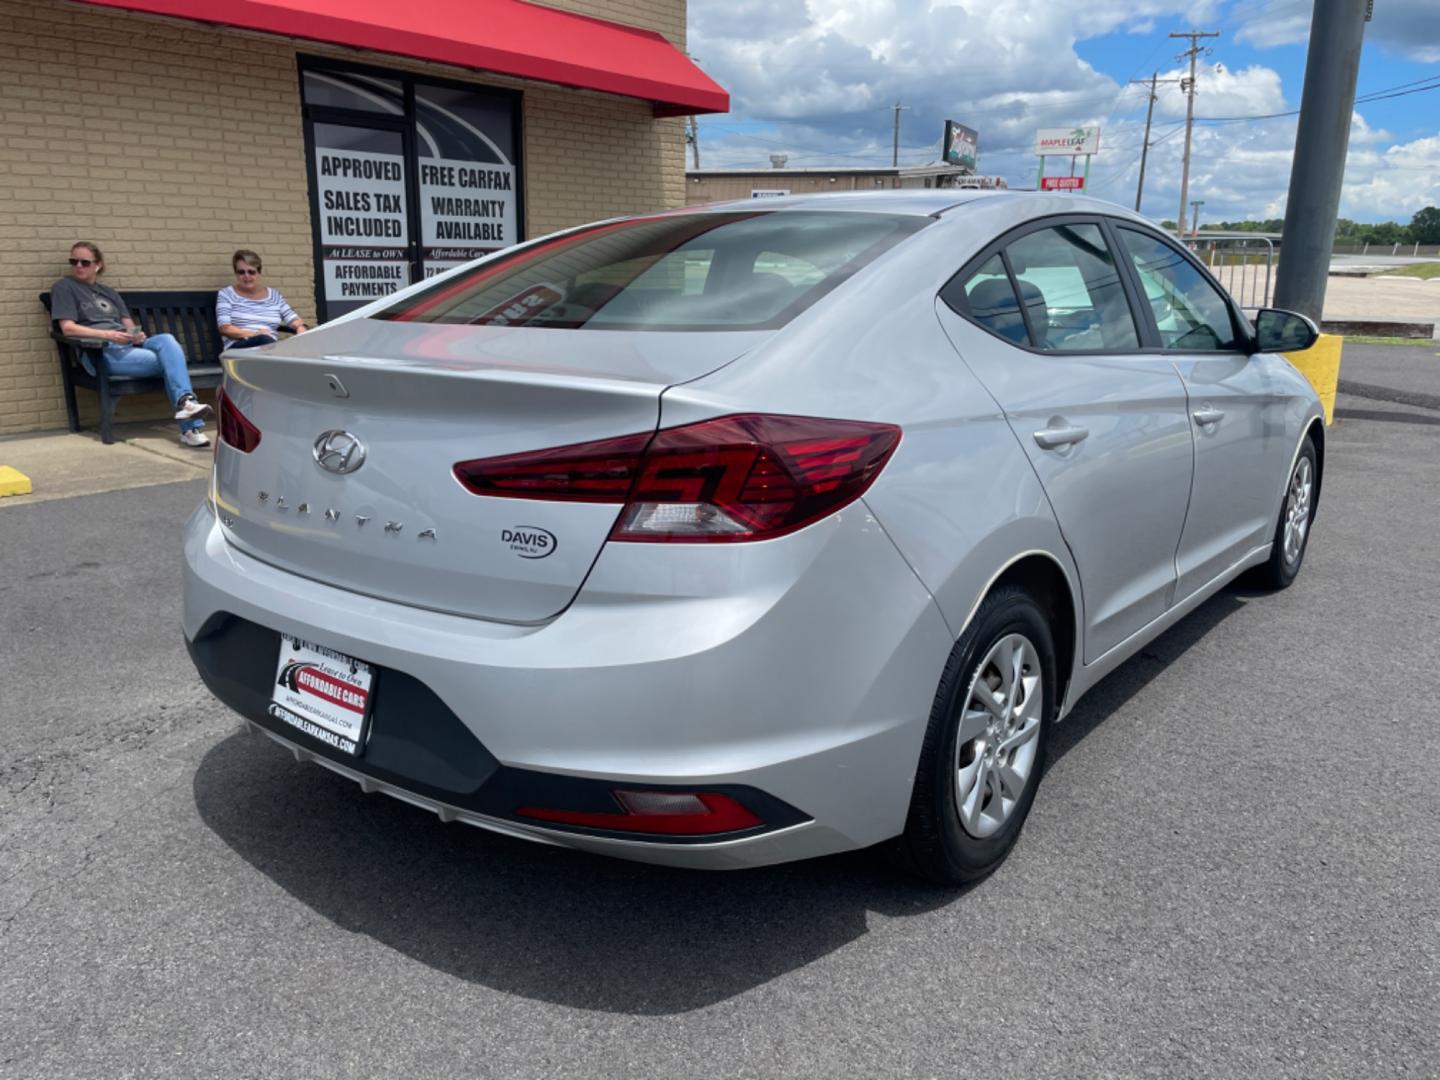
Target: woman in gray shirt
x,y
83,308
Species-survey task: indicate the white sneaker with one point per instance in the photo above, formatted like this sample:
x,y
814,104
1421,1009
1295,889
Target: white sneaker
x,y
191,407
194,439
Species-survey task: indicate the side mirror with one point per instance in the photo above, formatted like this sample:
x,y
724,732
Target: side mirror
x,y
1283,331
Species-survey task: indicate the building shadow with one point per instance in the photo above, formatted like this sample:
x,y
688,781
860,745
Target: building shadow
x,y
542,922
566,927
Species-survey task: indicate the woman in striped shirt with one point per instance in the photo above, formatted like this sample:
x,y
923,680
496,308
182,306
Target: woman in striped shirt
x,y
249,313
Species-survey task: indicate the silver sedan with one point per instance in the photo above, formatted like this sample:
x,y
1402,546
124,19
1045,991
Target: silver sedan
x,y
746,533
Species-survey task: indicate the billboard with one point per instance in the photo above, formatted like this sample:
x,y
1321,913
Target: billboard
x,y
962,146
1067,142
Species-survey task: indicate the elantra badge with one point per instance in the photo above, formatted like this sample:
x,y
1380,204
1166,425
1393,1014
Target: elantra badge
x,y
339,452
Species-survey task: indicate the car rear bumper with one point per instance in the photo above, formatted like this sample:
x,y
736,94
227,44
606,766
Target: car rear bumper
x,y
806,694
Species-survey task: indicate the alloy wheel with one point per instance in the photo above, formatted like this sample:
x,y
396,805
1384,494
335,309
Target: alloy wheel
x,y
1297,510
999,727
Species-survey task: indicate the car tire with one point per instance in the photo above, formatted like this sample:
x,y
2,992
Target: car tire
x,y
980,765
1292,531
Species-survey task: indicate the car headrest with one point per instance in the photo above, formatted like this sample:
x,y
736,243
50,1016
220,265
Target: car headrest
x,y
993,304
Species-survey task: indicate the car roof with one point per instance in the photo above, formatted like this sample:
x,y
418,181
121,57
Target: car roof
x,y
922,202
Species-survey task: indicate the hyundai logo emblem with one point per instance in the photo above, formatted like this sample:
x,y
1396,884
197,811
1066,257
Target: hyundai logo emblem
x,y
339,452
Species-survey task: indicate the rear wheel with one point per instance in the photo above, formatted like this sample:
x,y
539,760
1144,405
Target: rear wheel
x,y
1292,531
985,747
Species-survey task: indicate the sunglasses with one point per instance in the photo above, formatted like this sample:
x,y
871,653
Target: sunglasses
x,y
82,262
247,273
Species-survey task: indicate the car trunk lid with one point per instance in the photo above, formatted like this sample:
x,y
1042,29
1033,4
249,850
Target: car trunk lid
x,y
389,519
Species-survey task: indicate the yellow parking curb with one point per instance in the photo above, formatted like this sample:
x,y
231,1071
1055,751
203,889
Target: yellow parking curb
x,y
13,482
1321,365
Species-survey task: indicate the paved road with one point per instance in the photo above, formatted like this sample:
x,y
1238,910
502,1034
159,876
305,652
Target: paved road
x,y
1404,374
1233,868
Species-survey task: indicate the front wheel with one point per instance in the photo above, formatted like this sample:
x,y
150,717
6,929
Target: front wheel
x,y
1292,532
984,749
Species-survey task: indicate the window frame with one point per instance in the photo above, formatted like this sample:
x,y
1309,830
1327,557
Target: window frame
x,y
1147,332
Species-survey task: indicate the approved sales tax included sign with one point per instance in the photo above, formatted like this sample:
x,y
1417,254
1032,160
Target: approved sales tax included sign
x,y
323,693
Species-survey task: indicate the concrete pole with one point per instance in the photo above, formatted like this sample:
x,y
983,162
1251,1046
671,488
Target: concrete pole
x,y
1337,30
695,140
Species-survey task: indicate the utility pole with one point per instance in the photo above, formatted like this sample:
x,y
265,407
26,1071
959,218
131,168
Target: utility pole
x,y
895,153
1155,80
1189,87
692,136
1337,30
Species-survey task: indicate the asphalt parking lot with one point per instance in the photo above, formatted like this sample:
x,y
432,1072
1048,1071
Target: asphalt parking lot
x,y
1232,869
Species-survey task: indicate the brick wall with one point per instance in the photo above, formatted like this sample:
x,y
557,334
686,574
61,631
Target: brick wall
x,y
172,162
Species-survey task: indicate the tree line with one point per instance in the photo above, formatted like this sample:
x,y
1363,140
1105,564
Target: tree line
x,y
1424,228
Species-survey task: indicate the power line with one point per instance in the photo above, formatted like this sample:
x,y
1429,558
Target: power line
x,y
1385,94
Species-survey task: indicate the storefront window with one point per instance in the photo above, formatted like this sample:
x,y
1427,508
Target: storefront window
x,y
408,179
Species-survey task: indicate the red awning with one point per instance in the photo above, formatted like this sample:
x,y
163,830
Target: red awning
x,y
509,37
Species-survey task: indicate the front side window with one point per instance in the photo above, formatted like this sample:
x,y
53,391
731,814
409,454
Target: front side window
x,y
738,271
1191,314
1071,287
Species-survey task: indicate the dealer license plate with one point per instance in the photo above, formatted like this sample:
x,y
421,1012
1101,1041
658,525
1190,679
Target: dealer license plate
x,y
323,693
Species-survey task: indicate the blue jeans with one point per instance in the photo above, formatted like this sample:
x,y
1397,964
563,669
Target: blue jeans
x,y
161,355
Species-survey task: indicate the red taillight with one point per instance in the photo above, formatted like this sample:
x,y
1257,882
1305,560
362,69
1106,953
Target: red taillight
x,y
588,472
735,478
670,813
235,430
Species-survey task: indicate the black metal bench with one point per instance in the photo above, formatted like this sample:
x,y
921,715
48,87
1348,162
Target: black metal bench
x,y
189,316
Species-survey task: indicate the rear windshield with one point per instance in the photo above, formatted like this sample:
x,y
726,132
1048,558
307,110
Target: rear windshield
x,y
739,271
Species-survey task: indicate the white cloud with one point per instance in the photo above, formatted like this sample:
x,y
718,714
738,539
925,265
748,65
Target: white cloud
x,y
1219,91
1395,184
1004,68
816,80
1408,27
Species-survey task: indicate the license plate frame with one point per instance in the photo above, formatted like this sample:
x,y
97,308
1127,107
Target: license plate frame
x,y
324,694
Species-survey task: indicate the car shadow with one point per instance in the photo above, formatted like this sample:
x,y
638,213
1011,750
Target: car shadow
x,y
542,922
566,927
1129,678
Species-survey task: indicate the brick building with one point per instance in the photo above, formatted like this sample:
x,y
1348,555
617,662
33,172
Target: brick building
x,y
719,185
352,156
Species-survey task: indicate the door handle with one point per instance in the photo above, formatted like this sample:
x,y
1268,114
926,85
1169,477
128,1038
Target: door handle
x,y
1053,438
1207,415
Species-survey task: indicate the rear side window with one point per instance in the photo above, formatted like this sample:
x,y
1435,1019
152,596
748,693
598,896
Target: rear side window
x,y
739,271
992,303
1060,292
1068,277
1190,313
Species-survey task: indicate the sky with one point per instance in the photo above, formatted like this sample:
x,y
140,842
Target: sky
x,y
817,79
